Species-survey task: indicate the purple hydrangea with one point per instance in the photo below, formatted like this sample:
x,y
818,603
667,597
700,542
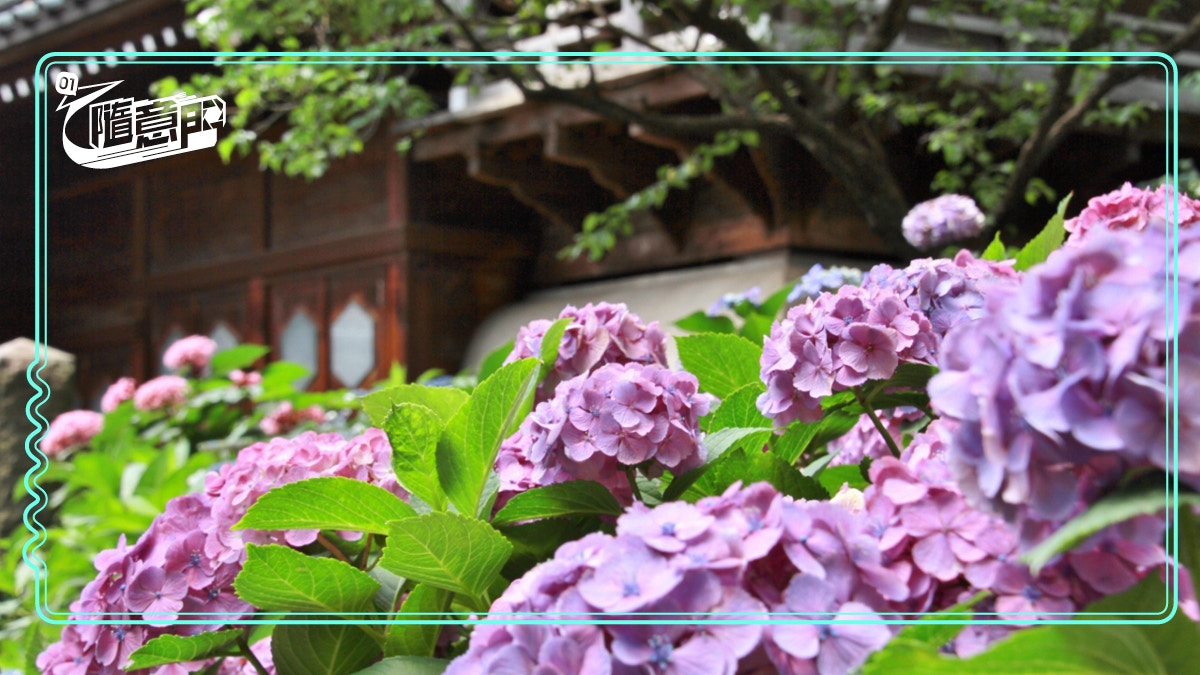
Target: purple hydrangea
x,y
1060,387
863,440
942,220
728,301
620,415
186,562
818,279
597,335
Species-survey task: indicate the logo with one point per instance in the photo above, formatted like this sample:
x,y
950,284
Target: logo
x,y
124,131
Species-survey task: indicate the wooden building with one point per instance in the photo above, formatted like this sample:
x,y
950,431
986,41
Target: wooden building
x,y
388,257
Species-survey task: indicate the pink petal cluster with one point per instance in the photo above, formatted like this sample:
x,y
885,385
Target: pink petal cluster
x,y
163,392
942,220
193,351
187,561
863,441
619,415
285,417
117,393
597,334
834,342
241,378
71,430
736,556
1131,208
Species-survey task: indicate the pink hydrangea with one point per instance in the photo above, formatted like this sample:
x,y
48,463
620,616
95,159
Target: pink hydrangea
x,y
241,378
284,418
71,430
942,220
165,391
117,393
187,561
193,351
1131,208
597,334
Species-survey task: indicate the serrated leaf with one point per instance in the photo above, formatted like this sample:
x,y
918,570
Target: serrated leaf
x,y
1113,508
326,503
446,550
423,603
495,358
995,251
720,441
749,467
413,431
833,477
166,649
234,358
722,363
1050,238
321,649
467,448
444,401
537,541
699,322
739,409
407,665
572,498
279,579
800,436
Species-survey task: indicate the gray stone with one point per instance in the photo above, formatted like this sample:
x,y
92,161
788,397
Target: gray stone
x,y
15,427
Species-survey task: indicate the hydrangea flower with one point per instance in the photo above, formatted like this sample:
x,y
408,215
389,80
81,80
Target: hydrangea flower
x,y
241,378
71,430
192,352
1061,386
818,279
863,440
620,415
597,335
1131,208
284,418
942,220
165,391
117,393
186,562
730,300
834,342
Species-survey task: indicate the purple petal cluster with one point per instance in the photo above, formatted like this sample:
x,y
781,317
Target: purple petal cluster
x,y
185,564
71,430
863,440
752,295
834,342
1131,208
160,393
619,415
818,279
739,555
597,335
942,220
1060,387
192,352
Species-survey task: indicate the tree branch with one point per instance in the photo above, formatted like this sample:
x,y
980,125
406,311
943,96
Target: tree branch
x,y
880,35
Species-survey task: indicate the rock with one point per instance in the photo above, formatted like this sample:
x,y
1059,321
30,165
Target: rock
x,y
15,427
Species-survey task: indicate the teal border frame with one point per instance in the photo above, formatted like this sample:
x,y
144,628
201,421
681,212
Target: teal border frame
x,y
42,109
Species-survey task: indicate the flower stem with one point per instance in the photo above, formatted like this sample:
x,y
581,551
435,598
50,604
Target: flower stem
x,y
866,405
337,553
244,646
366,553
631,474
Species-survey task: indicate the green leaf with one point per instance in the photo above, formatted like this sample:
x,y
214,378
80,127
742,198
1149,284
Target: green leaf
x,y
801,436
321,649
326,503
1050,238
551,341
721,440
467,449
995,250
756,328
424,603
444,401
413,431
537,541
1113,508
577,497
446,550
700,322
495,358
832,478
775,302
749,467
241,356
739,409
278,579
407,665
722,363
166,649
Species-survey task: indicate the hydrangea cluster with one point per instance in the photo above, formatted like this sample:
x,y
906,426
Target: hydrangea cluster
x,y
942,220
241,378
1131,208
193,352
728,301
620,415
818,280
163,392
834,342
1061,386
71,430
738,555
597,334
117,393
187,560
285,417
863,440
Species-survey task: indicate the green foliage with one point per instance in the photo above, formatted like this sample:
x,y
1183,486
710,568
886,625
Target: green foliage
x,y
413,431
722,363
700,322
424,602
444,401
1046,242
328,503
279,579
572,498
739,409
445,550
748,466
406,665
495,358
166,649
322,649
